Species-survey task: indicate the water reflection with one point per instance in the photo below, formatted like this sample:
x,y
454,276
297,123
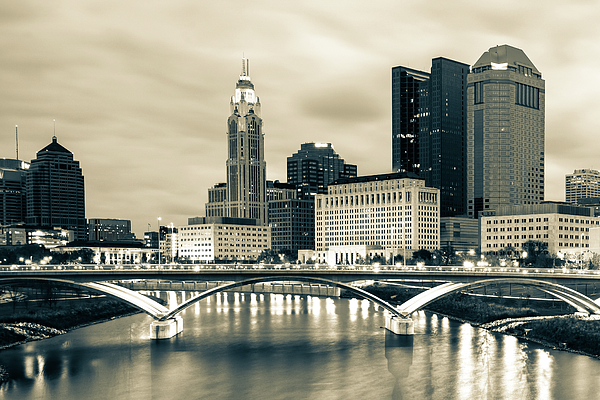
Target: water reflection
x,y
273,346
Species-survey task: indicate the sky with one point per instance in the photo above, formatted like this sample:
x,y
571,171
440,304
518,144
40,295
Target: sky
x,y
139,91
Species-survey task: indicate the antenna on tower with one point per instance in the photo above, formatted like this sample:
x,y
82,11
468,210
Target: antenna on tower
x,y
54,120
17,140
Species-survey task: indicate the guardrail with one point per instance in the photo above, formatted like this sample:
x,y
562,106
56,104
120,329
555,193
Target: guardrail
x,y
296,267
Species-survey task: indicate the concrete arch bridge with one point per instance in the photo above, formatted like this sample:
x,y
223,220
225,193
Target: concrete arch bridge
x,y
168,323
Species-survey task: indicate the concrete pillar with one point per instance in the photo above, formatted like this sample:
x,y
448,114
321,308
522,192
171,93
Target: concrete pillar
x,y
166,329
399,326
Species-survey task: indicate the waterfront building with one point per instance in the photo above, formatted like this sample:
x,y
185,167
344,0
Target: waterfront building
x,y
505,131
292,223
428,128
151,239
12,191
55,191
460,234
376,216
581,184
564,229
109,229
210,239
168,243
111,253
21,234
315,166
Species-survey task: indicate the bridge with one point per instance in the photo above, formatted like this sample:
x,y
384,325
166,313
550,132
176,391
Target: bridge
x,y
168,323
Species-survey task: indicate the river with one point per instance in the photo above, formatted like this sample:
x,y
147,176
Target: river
x,y
247,346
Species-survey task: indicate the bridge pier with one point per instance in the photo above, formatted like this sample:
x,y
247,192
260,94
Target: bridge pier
x,y
166,329
399,326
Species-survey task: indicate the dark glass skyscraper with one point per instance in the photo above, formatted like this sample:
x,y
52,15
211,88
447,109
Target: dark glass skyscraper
x,y
12,191
428,128
315,166
55,191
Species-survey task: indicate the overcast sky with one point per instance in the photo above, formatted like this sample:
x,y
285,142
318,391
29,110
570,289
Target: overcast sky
x,y
140,89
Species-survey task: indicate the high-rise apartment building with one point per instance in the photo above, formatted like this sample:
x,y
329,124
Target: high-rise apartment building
x,y
55,191
246,168
428,128
12,191
315,166
505,131
581,184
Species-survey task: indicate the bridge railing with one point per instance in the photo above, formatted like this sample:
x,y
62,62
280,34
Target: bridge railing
x,y
296,267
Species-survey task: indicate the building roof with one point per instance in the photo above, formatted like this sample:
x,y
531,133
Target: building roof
x,y
54,147
380,177
505,54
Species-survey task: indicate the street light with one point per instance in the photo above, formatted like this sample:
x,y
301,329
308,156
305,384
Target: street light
x,y
158,223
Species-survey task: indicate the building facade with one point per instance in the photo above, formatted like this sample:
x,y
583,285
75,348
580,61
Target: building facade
x,y
315,166
215,207
505,131
292,223
209,239
428,128
410,89
55,191
377,215
582,184
563,228
12,191
246,167
109,229
460,234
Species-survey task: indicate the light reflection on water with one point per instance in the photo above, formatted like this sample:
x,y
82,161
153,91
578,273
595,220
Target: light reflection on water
x,y
251,346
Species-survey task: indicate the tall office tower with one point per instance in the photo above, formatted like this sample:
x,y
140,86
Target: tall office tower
x,y
505,131
246,168
409,109
315,166
428,128
55,191
581,184
12,191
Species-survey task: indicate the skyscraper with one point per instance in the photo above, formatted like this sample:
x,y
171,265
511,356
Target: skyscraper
x,y
12,191
505,131
55,191
246,167
428,128
315,166
581,184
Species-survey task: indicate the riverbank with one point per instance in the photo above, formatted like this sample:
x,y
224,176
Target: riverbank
x,y
537,321
41,322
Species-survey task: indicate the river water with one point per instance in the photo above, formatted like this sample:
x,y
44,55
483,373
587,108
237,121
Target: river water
x,y
247,346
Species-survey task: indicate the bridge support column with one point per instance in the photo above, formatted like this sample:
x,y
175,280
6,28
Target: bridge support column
x,y
166,329
399,326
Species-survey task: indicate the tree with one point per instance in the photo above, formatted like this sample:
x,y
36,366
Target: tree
x,y
445,255
422,255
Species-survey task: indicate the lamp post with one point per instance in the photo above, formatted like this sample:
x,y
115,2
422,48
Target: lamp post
x,y
158,223
581,247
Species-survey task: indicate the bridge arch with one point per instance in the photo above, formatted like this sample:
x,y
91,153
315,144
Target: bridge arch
x,y
162,313
172,313
578,300
135,299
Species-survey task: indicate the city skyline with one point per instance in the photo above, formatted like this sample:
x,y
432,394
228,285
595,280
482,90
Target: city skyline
x,y
140,98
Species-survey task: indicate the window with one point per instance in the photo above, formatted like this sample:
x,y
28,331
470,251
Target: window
x,y
478,92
